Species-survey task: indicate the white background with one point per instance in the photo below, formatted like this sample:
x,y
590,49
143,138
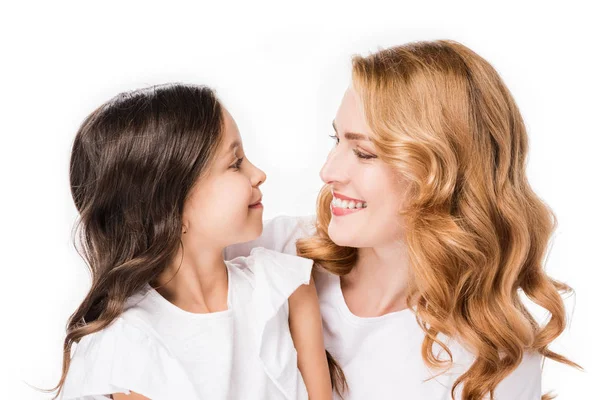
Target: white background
x,y
281,70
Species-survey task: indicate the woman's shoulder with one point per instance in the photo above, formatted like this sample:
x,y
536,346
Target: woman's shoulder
x,y
287,230
125,356
289,222
522,383
279,234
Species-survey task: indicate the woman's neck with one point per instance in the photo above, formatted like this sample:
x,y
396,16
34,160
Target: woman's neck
x,y
379,282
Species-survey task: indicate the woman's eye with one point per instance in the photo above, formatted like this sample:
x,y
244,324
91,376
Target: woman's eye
x,y
237,164
336,138
362,155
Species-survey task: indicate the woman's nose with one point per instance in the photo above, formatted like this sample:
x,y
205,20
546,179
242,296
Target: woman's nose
x,y
333,170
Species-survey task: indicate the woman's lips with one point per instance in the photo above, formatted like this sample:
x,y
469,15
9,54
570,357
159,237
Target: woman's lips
x,y
342,197
339,212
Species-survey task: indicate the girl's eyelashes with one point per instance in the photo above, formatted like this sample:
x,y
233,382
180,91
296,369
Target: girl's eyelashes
x,y
335,138
237,164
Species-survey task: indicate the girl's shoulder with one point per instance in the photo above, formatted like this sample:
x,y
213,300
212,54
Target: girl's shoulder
x,y
272,270
125,356
273,277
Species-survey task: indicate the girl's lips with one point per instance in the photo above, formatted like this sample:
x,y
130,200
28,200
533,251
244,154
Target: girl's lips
x,y
256,205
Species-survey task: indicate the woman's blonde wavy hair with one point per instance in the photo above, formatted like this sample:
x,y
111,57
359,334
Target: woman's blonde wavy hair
x,y
477,234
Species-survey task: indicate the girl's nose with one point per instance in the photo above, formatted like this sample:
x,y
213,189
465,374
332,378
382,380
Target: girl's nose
x,y
259,177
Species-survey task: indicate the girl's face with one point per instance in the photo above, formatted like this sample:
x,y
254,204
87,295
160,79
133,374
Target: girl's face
x,y
225,206
368,194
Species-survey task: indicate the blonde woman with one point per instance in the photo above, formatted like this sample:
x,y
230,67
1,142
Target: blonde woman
x,y
428,235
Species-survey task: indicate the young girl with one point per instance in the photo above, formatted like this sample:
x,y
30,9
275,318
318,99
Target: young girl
x,y
162,185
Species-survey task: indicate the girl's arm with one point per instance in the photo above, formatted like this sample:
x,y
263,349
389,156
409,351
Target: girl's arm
x,y
307,333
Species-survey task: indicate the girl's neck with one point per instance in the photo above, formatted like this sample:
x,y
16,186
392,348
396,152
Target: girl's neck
x,y
196,281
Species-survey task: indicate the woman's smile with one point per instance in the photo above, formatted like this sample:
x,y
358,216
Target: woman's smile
x,y
343,205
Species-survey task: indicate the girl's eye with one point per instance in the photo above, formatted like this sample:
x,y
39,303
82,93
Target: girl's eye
x,y
362,155
237,164
336,138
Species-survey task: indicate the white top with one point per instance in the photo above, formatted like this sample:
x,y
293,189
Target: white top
x,y
381,356
163,352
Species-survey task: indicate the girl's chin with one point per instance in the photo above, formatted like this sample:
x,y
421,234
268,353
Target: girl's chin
x,y
254,229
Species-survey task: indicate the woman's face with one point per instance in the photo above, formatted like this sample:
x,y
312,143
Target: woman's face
x,y
224,206
368,194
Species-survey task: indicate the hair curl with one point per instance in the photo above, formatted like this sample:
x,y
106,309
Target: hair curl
x,y
477,234
133,163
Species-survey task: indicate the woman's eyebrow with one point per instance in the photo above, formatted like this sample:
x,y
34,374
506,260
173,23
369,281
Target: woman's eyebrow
x,y
352,135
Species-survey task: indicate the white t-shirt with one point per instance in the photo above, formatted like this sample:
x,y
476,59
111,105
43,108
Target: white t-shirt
x,y
381,356
163,352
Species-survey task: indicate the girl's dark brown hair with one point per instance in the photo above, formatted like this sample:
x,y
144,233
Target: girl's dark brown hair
x,y
133,163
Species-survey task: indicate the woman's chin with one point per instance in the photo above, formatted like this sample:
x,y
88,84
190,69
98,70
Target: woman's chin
x,y
343,237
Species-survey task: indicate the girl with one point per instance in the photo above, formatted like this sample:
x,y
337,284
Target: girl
x,y
428,234
162,185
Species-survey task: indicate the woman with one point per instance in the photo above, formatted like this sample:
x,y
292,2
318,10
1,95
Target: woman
x,y
427,234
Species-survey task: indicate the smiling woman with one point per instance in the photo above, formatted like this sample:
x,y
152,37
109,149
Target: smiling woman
x,y
428,234
354,174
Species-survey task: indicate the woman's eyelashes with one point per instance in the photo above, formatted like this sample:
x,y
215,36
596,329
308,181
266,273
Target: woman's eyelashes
x,y
357,152
362,155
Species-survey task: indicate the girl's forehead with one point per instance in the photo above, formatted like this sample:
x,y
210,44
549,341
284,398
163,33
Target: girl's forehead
x,y
232,141
230,128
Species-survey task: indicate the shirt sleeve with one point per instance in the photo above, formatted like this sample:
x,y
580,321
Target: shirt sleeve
x,y
279,234
123,358
276,277
524,383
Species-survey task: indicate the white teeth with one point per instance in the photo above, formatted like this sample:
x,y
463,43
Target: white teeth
x,y
349,204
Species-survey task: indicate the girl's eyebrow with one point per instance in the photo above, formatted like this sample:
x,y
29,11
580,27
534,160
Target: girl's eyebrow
x,y
352,135
235,144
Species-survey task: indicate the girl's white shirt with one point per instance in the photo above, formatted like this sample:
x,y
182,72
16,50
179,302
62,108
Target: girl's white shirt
x,y
381,356
163,352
